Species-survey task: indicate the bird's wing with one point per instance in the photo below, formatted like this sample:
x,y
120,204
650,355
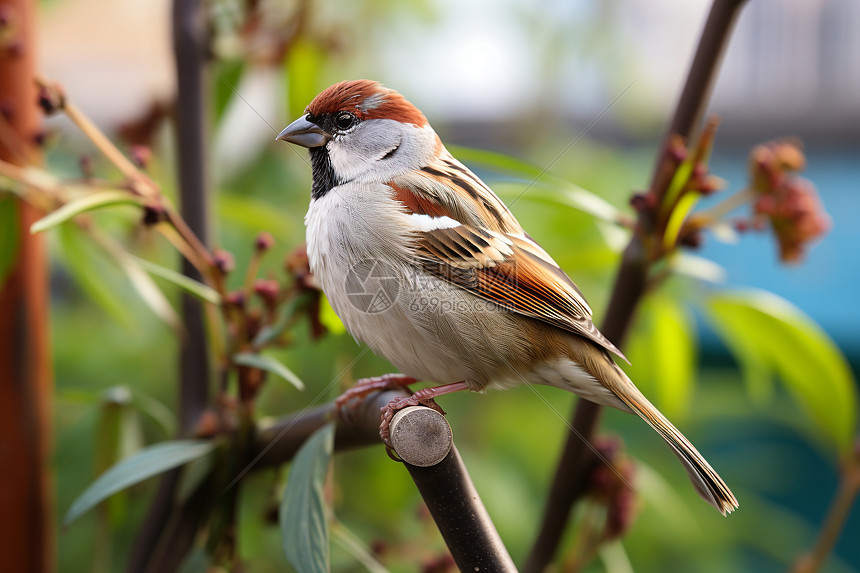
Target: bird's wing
x,y
480,247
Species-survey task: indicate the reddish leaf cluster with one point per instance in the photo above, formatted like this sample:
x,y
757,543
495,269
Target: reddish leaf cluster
x,y
789,202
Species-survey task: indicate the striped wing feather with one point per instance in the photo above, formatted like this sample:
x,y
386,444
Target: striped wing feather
x,y
489,255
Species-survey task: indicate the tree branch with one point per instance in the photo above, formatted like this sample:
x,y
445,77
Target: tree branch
x,y
577,459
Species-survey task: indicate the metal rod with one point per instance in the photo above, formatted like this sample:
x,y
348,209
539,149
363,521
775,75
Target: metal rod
x,y
189,46
27,540
460,515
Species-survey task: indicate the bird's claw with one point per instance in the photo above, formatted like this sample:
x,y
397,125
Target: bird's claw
x,y
422,397
351,398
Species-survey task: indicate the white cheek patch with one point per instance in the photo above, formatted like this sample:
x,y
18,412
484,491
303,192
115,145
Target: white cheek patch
x,y
426,223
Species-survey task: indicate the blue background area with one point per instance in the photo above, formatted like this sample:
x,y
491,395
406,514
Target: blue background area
x,y
825,284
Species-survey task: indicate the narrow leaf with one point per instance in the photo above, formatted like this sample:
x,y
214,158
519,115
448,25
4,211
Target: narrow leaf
x,y
570,195
676,186
496,161
303,515
141,281
92,271
272,332
537,184
146,463
269,364
83,204
678,216
150,293
190,286
691,265
770,335
615,558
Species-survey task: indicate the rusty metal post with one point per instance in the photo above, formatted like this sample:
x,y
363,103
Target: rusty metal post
x,y
26,532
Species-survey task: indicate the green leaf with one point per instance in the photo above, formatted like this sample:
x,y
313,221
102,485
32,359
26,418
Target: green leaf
x,y
268,364
9,239
144,285
81,205
662,353
678,216
151,294
88,265
119,434
147,463
303,514
615,558
768,335
676,186
272,332
192,477
569,195
537,184
190,286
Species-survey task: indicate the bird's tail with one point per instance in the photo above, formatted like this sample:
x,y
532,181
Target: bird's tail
x,y
707,482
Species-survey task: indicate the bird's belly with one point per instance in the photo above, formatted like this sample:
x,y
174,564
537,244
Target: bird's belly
x,y
419,324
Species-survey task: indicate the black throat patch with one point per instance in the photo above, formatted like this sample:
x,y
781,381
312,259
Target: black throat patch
x,y
323,172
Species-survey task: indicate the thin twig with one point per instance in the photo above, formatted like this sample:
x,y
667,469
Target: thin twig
x,y
140,182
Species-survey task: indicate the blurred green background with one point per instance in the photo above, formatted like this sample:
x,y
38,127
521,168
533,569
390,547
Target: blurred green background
x,y
524,79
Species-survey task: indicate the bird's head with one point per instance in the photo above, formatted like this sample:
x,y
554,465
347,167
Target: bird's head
x,y
360,130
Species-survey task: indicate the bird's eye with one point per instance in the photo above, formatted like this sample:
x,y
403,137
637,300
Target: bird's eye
x,y
344,120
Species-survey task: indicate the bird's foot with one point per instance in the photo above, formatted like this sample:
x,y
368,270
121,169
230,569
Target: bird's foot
x,y
424,397
352,397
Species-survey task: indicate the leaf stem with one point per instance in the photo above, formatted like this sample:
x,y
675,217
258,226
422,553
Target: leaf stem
x,y
724,207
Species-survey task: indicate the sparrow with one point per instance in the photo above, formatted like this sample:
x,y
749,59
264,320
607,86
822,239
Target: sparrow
x,y
478,304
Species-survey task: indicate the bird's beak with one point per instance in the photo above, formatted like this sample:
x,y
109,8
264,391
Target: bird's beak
x,y
304,133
